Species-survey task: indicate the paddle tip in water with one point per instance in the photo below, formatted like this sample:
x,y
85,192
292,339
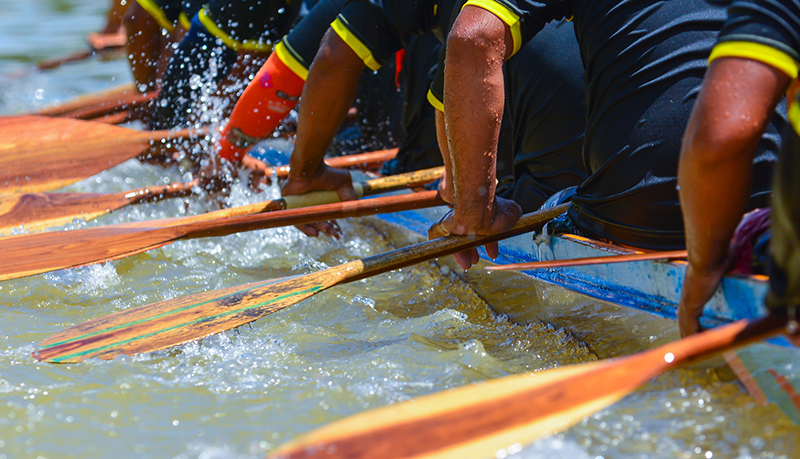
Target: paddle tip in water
x,y
484,419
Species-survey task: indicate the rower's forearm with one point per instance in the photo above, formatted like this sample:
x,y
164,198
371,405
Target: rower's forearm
x,y
732,111
444,149
474,98
327,96
713,198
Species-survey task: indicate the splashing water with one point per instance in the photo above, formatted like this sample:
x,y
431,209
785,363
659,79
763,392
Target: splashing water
x,y
382,340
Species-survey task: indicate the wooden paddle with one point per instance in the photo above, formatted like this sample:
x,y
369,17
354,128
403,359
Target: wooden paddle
x,y
88,100
38,211
116,118
43,153
363,161
112,43
120,104
168,323
29,254
480,420
667,255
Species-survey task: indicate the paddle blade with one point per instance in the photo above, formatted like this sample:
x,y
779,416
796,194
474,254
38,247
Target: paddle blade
x,y
475,421
43,153
168,323
481,420
38,211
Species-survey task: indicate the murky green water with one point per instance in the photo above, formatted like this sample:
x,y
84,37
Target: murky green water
x,y
354,347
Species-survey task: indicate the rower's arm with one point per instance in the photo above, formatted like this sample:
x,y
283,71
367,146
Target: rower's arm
x,y
474,95
445,185
733,109
477,46
327,96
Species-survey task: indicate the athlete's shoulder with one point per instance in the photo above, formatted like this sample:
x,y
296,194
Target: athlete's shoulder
x,y
772,23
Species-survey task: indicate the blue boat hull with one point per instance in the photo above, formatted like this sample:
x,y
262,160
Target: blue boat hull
x,y
652,286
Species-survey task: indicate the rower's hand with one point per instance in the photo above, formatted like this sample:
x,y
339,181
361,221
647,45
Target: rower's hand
x,y
258,172
326,178
446,189
697,289
505,213
216,175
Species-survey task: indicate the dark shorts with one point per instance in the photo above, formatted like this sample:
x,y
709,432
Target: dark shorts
x,y
784,269
420,149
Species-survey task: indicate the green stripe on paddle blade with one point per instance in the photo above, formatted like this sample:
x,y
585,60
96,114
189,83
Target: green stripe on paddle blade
x,y
167,323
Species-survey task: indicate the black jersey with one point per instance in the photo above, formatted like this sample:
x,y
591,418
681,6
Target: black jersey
x,y
169,13
644,62
250,24
541,139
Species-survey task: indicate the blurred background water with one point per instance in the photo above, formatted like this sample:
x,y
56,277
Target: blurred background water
x,y
378,341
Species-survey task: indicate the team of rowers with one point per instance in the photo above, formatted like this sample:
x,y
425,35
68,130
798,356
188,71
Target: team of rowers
x,y
661,121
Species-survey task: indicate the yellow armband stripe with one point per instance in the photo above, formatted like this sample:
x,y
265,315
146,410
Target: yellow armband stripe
x,y
757,52
354,43
184,20
437,104
793,111
283,50
157,13
236,45
510,18
794,116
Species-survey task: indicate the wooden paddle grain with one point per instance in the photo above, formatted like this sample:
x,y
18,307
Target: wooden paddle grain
x,y
480,420
39,153
88,100
173,322
120,104
30,254
38,211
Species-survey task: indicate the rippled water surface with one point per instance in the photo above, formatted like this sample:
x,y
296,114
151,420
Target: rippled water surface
x,y
367,344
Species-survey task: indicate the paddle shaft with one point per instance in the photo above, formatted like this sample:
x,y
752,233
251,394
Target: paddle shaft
x,y
314,198
59,61
481,419
440,247
76,56
303,215
123,103
668,255
360,161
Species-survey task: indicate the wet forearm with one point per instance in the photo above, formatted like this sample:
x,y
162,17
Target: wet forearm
x,y
715,171
474,98
328,94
